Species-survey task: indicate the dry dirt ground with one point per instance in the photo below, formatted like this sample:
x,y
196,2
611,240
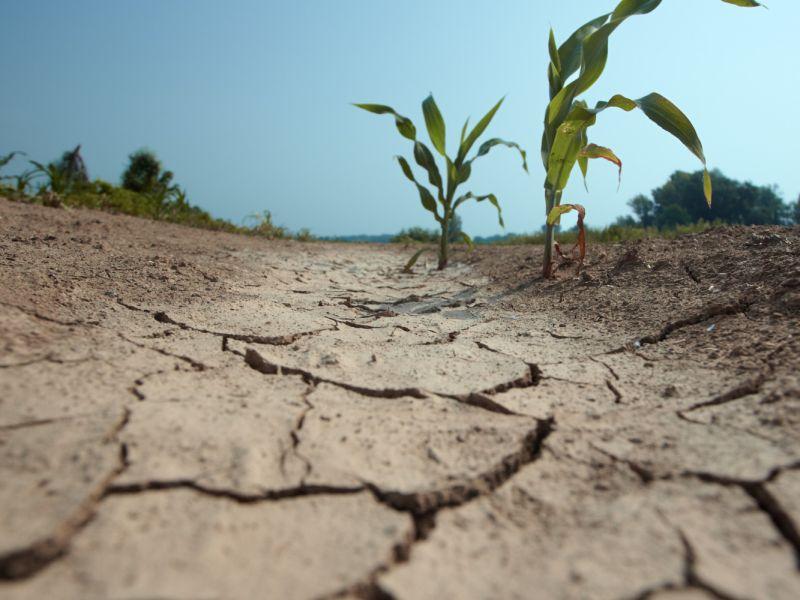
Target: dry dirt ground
x,y
191,415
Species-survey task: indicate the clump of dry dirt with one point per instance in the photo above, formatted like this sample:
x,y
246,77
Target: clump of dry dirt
x,y
191,414
654,288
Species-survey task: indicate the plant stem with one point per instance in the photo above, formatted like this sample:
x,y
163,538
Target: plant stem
x,y
443,242
547,264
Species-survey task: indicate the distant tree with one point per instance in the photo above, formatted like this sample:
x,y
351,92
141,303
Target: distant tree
x,y
644,210
416,234
796,211
144,174
680,201
455,229
430,236
625,221
672,215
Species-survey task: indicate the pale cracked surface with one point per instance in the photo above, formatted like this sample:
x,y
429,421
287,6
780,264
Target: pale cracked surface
x,y
186,414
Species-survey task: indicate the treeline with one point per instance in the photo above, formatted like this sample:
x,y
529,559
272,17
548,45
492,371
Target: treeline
x,y
680,202
675,208
146,189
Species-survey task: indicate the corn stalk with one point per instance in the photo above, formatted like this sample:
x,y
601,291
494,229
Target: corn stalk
x,y
441,200
565,141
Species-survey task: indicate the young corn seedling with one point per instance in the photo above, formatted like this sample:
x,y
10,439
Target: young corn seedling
x,y
567,119
4,160
442,202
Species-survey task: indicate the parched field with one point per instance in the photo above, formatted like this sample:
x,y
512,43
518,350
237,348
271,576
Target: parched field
x,y
193,415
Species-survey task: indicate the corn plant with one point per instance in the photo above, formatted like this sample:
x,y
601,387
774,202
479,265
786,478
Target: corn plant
x,y
22,182
443,202
567,118
4,160
56,179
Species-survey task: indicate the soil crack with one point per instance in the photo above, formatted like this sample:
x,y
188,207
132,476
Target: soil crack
x,y
423,507
766,502
746,388
481,399
255,361
715,310
267,340
27,562
195,364
239,497
691,577
273,340
424,504
645,475
295,437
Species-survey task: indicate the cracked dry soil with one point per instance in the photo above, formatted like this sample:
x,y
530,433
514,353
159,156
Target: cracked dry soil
x,y
189,415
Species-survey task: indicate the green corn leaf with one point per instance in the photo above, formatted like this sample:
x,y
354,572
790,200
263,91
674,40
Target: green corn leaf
x,y
707,188
570,51
588,46
564,155
413,260
40,167
404,125
546,144
554,80
594,54
463,172
435,124
670,118
583,161
489,144
628,8
595,151
557,211
406,169
657,108
555,114
424,158
476,132
464,131
493,200
595,46
559,106
425,196
564,139
467,240
490,197
555,60
452,173
745,3
4,160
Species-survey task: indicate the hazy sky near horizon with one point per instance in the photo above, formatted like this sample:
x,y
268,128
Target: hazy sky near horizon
x,y
248,101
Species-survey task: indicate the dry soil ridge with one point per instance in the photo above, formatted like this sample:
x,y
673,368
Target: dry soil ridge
x,y
186,414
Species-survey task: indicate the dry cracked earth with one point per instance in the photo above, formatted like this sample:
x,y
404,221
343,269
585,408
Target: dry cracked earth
x,y
193,415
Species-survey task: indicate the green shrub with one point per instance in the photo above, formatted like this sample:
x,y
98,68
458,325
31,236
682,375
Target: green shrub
x,y
611,234
264,227
416,235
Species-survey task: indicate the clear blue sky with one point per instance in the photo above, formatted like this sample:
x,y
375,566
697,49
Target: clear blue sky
x,y
248,101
